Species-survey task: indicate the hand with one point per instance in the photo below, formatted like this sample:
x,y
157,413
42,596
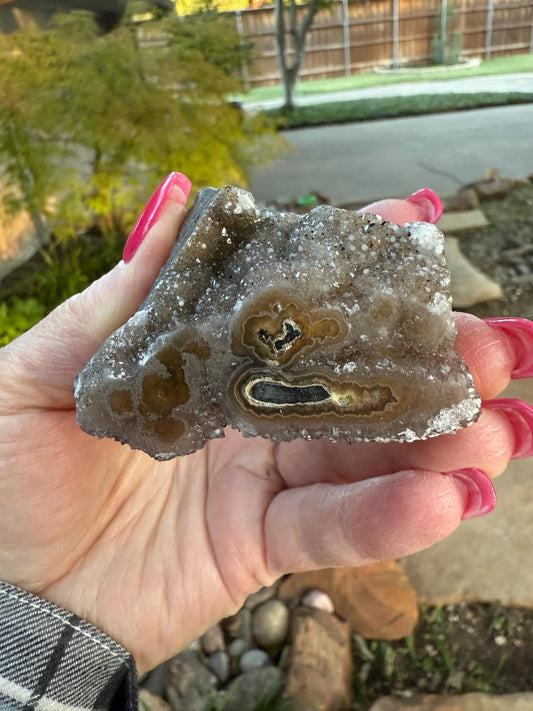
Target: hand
x,y
155,553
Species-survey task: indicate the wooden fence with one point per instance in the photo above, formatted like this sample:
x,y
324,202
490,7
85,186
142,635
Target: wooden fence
x,y
354,37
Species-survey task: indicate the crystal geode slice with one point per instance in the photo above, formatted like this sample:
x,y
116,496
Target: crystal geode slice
x,y
329,324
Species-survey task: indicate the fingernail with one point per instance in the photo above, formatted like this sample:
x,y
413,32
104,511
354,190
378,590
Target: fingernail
x,y
520,333
481,494
153,209
430,203
520,415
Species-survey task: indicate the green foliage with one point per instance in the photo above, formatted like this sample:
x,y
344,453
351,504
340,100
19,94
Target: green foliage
x,y
18,315
447,42
90,124
390,107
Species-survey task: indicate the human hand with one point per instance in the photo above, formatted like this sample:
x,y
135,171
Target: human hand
x,y
153,552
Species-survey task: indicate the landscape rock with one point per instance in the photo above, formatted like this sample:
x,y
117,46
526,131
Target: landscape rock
x,y
320,668
151,702
213,640
466,702
468,285
465,199
377,600
318,600
270,624
254,659
219,665
249,689
494,185
189,682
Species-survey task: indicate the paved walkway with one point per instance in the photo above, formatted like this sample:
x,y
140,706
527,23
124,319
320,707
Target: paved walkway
x,y
502,83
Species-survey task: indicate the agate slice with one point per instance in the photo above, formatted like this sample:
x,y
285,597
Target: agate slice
x,y
329,324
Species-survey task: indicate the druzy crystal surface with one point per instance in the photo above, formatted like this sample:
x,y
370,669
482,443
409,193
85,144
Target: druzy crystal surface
x,y
329,324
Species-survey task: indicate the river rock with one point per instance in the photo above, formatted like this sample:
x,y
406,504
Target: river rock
x,y
213,640
270,624
254,659
248,690
219,665
318,600
189,683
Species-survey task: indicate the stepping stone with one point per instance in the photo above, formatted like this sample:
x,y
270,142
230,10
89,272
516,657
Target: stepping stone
x,y
468,286
462,220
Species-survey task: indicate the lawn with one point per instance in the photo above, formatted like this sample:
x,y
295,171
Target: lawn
x,y
514,64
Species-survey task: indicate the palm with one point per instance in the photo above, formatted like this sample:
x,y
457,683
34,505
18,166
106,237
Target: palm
x,y
154,553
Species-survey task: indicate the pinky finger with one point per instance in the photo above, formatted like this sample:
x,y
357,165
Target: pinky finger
x,y
328,525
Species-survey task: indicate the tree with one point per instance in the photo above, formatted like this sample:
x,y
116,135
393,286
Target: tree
x,y
290,62
89,124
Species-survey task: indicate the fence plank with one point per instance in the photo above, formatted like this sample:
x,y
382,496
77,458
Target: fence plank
x,y
351,37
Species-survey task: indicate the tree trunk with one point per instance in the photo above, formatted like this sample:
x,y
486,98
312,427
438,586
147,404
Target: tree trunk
x,y
291,69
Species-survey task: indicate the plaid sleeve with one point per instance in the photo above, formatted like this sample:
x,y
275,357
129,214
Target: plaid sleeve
x,y
52,660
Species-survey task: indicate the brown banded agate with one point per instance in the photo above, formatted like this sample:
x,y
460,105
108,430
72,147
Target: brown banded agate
x,y
329,324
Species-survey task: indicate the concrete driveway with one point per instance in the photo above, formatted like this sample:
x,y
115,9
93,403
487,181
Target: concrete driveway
x,y
360,162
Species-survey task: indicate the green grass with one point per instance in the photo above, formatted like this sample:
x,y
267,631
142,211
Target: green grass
x,y
390,107
514,64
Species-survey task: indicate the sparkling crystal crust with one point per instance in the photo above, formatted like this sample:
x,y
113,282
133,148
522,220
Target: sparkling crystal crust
x,y
329,324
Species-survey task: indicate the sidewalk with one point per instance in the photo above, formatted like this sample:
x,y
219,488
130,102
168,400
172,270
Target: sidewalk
x,y
502,83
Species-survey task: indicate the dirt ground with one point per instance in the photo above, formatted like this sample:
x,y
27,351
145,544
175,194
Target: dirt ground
x,y
504,251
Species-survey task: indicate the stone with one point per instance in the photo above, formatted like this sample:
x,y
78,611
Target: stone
x,y
320,666
262,595
465,199
155,680
462,220
237,647
151,702
219,664
466,702
270,624
329,324
469,286
254,659
493,185
239,624
377,600
189,682
213,640
318,600
247,691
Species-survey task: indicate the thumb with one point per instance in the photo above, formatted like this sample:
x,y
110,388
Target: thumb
x,y
39,367
422,206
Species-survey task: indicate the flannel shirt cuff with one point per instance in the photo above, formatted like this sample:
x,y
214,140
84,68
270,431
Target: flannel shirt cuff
x,y
52,660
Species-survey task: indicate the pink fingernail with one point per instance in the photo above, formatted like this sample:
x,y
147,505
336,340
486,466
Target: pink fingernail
x,y
481,494
430,202
520,333
520,415
153,209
